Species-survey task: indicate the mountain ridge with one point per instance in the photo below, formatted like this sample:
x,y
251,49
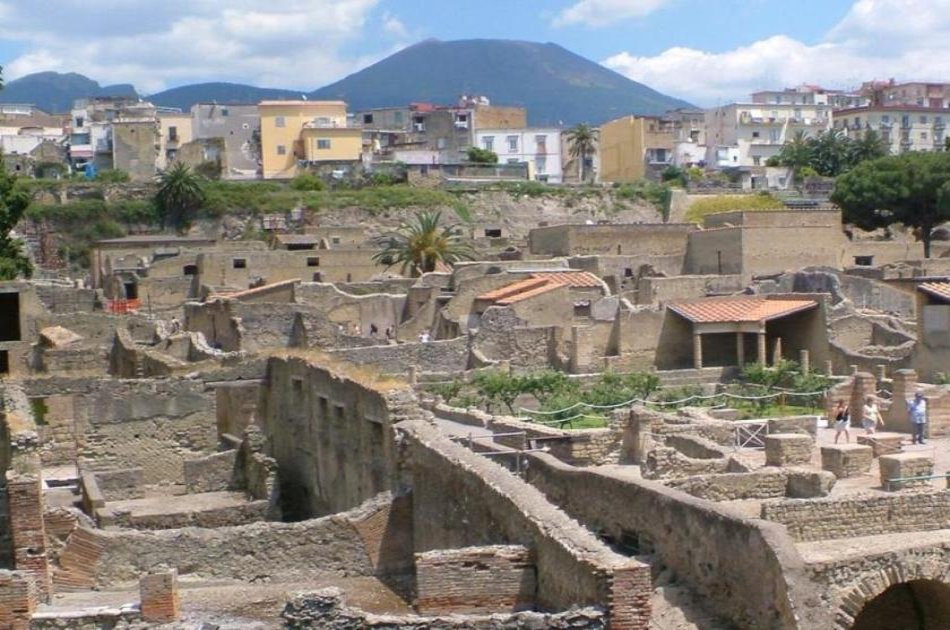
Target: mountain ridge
x,y
556,85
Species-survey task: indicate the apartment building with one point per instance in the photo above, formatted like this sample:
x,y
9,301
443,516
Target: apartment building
x,y
308,132
748,134
540,148
915,93
904,127
811,95
238,126
632,146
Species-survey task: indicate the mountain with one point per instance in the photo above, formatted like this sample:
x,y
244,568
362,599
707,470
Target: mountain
x,y
187,95
555,84
54,92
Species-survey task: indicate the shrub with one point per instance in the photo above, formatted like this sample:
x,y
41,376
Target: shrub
x,y
112,176
730,203
306,182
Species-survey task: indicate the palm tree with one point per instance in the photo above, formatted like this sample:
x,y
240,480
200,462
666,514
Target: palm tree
x,y
830,153
582,140
796,153
420,243
870,146
180,194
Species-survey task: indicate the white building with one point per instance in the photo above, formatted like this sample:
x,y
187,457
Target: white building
x,y
540,148
811,95
748,134
904,127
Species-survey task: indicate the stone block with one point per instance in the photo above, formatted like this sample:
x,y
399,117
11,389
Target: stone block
x,y
788,449
883,443
846,460
904,466
803,483
159,594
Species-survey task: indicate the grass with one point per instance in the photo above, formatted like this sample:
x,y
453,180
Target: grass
x,y
730,203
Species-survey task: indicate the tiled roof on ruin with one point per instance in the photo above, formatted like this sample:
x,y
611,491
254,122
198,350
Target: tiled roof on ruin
x,y
738,309
574,279
940,290
512,289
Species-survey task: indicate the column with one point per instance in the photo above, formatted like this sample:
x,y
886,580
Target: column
x,y
777,351
740,349
760,348
804,361
697,350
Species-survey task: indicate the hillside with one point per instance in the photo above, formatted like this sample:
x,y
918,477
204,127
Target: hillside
x,y
187,95
54,92
555,84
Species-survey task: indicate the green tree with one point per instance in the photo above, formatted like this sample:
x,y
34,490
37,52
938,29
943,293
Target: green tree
x,y
481,156
582,143
180,194
911,188
796,153
830,153
422,242
13,203
870,146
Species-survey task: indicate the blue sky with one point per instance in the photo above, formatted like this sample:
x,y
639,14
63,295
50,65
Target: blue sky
x,y
706,51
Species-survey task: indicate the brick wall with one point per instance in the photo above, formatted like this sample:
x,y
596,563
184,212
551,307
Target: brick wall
x,y
27,531
824,519
159,595
18,599
498,578
211,473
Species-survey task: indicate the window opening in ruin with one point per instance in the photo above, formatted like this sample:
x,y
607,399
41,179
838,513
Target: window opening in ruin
x,y
349,277
299,246
239,263
864,261
323,407
190,270
318,277
10,316
313,261
294,501
4,362
493,232
628,272
131,290
339,412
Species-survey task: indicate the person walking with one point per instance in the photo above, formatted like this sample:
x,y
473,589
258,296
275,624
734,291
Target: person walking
x,y
917,409
872,416
842,420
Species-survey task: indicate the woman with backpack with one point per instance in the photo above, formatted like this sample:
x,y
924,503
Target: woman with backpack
x,y
842,420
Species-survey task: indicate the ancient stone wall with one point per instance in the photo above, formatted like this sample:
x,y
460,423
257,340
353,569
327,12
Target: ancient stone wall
x,y
738,555
211,473
451,355
497,578
865,515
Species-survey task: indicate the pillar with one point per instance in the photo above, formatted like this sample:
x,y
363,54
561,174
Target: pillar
x,y
740,348
804,361
880,371
829,368
697,350
864,386
159,597
760,348
777,351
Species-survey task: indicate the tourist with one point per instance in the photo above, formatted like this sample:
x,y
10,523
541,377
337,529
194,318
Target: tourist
x,y
373,330
842,419
174,327
917,408
872,416
390,333
424,336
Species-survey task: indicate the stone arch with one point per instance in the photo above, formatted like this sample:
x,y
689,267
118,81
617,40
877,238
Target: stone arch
x,y
872,585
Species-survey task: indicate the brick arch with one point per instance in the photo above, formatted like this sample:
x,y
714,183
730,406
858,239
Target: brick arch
x,y
873,583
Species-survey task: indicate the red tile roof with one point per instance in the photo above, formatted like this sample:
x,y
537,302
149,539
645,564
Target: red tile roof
x,y
937,289
256,290
738,309
574,279
530,293
511,289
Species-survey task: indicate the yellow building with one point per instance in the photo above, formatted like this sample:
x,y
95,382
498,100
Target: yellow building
x,y
315,131
176,130
629,145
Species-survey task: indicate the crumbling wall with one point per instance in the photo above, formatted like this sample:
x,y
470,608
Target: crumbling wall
x,y
502,336
451,355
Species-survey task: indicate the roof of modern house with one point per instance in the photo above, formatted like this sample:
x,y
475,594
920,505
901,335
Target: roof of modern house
x,y
939,290
738,309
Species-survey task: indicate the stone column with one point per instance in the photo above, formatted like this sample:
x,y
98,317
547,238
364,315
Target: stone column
x,y
829,368
864,386
740,348
697,350
777,351
880,371
760,348
159,597
804,361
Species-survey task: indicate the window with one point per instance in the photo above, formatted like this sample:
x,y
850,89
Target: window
x,y
755,134
864,261
493,232
317,276
756,160
190,270
323,144
335,240
225,111
280,121
923,135
541,164
488,143
313,261
774,135
239,263
512,144
10,316
885,119
173,134
541,141
281,149
367,119
923,120
80,121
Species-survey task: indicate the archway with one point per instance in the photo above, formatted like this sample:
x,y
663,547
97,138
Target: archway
x,y
913,605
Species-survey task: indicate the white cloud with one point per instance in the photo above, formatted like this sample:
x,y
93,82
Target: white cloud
x,y
297,44
394,26
877,39
603,12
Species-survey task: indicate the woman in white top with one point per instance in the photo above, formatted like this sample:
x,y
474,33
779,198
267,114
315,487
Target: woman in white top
x,y
872,415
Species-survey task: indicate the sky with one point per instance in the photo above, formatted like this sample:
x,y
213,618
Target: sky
x,y
704,51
